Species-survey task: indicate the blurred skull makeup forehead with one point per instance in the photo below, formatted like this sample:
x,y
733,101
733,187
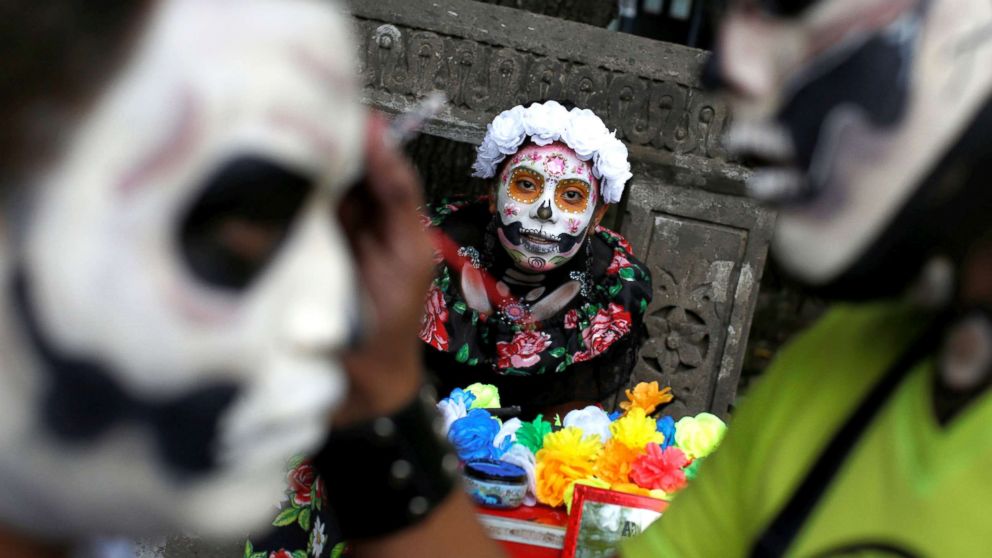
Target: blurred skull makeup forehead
x,y
848,109
546,199
180,283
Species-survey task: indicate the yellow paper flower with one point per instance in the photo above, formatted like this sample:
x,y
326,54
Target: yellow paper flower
x,y
566,457
636,430
486,396
647,396
631,488
613,465
570,491
698,436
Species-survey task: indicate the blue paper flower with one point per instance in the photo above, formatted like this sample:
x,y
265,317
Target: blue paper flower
x,y
615,415
464,396
473,435
666,425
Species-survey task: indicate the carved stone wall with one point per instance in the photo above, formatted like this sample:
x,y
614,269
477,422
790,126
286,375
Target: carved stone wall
x,y
704,244
705,252
488,58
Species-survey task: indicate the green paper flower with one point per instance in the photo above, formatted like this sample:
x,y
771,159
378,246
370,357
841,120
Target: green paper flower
x,y
531,434
698,436
486,395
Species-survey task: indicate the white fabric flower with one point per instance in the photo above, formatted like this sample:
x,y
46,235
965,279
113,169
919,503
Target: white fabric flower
x,y
544,123
591,420
451,411
585,133
317,538
509,428
488,157
520,456
614,169
507,130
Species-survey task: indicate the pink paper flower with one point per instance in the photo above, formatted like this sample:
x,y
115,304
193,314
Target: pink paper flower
x,y
660,469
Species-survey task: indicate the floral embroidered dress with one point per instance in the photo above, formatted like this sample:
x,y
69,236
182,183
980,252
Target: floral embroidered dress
x,y
584,352
300,528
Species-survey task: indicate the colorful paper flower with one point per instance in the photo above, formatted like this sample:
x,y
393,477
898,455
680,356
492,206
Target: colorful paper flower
x,y
635,430
666,425
591,420
647,396
613,465
508,430
451,410
531,434
486,396
567,456
660,469
698,436
464,396
473,435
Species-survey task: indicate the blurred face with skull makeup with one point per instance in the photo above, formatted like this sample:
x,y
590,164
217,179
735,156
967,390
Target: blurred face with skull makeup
x,y
176,281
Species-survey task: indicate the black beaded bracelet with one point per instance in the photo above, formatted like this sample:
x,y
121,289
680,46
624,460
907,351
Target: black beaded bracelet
x,y
389,473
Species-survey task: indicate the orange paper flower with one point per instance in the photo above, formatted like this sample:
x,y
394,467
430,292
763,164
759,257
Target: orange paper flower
x,y
613,465
566,457
647,396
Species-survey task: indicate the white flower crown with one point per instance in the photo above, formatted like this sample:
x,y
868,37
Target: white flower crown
x,y
548,122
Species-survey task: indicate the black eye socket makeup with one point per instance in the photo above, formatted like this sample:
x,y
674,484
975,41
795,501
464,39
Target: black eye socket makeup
x,y
235,227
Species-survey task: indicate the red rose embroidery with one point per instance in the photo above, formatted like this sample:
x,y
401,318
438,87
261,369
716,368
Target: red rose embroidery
x,y
619,262
571,319
524,350
432,329
300,483
607,326
281,553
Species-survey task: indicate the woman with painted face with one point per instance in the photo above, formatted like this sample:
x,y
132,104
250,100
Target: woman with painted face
x,y
531,294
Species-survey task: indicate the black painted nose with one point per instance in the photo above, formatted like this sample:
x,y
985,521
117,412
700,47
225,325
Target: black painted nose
x,y
544,212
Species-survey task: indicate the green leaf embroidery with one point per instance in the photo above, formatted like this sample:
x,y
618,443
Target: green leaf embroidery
x,y
304,519
286,517
627,274
558,352
299,554
644,305
561,367
514,372
462,355
541,370
568,360
249,549
475,317
338,550
296,461
460,307
615,289
473,361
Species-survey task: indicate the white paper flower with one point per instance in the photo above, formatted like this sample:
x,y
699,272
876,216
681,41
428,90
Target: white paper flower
x,y
488,157
544,123
522,457
509,428
507,130
585,133
613,168
451,411
591,420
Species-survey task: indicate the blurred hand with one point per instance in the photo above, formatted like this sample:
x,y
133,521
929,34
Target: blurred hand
x,y
393,257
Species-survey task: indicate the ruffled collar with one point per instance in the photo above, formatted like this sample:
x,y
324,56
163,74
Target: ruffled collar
x,y
617,290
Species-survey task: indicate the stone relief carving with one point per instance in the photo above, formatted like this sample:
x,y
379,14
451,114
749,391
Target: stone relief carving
x,y
484,79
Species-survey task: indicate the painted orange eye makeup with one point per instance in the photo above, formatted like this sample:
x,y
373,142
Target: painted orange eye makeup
x,y
572,195
525,185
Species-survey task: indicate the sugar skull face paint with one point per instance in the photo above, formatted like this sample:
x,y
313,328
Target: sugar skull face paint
x,y
547,198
